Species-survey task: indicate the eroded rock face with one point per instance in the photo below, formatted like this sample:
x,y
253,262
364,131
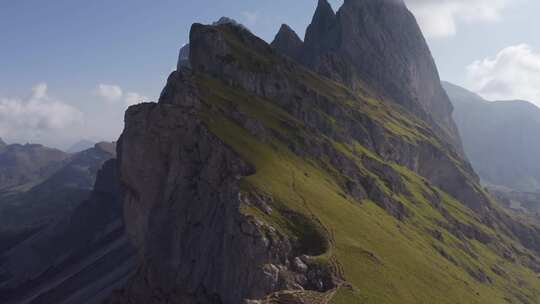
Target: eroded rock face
x,y
213,55
182,208
288,42
380,44
182,184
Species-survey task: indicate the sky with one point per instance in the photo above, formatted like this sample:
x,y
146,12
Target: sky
x,y
70,68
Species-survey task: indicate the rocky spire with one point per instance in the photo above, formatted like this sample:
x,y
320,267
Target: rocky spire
x,y
288,42
323,21
379,43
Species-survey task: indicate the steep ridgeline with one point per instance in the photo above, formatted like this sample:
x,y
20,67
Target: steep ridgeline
x,y
81,258
255,180
378,43
24,166
43,185
501,138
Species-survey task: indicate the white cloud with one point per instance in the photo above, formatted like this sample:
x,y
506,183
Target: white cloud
x,y
440,18
134,98
109,92
250,18
514,73
39,91
115,93
35,117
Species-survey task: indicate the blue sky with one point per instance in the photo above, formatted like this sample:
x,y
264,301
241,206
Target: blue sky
x,y
55,54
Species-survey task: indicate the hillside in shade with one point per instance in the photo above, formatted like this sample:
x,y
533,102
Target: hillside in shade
x,y
501,138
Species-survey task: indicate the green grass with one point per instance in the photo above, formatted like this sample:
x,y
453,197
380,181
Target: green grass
x,y
384,259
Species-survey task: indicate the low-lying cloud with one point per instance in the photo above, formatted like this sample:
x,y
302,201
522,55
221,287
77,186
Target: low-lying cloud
x,y
36,116
440,18
513,73
114,93
109,92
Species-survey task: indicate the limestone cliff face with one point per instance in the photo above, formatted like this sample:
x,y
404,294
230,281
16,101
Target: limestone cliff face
x,y
182,209
253,178
275,80
379,43
288,42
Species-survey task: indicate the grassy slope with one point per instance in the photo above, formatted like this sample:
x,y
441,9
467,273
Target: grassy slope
x,y
384,259
387,261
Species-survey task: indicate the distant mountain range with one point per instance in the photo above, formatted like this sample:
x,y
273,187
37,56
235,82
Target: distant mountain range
x,y
80,146
501,138
502,141
62,236
39,185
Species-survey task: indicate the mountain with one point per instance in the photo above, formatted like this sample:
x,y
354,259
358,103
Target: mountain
x,y
378,44
81,258
260,178
23,166
57,184
501,138
2,144
80,146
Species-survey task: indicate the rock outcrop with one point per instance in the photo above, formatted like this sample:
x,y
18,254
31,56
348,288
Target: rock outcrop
x,y
253,180
288,42
379,43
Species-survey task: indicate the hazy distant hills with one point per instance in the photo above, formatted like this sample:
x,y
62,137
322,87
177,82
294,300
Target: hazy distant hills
x,y
23,166
501,138
39,185
80,146
81,257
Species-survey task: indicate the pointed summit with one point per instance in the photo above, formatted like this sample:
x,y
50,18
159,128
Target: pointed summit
x,y
2,144
378,43
288,42
323,21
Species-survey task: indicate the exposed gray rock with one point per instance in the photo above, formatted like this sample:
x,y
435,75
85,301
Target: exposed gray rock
x,y
182,205
288,42
227,20
379,43
212,54
183,58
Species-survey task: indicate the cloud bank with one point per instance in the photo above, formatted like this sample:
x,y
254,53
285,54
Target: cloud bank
x,y
37,116
114,93
109,92
440,18
513,73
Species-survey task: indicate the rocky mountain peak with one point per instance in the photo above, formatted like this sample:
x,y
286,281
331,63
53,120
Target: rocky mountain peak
x,y
321,25
288,42
379,44
183,57
227,20
2,143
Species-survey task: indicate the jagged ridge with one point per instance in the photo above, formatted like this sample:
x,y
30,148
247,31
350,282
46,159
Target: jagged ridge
x,y
323,189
